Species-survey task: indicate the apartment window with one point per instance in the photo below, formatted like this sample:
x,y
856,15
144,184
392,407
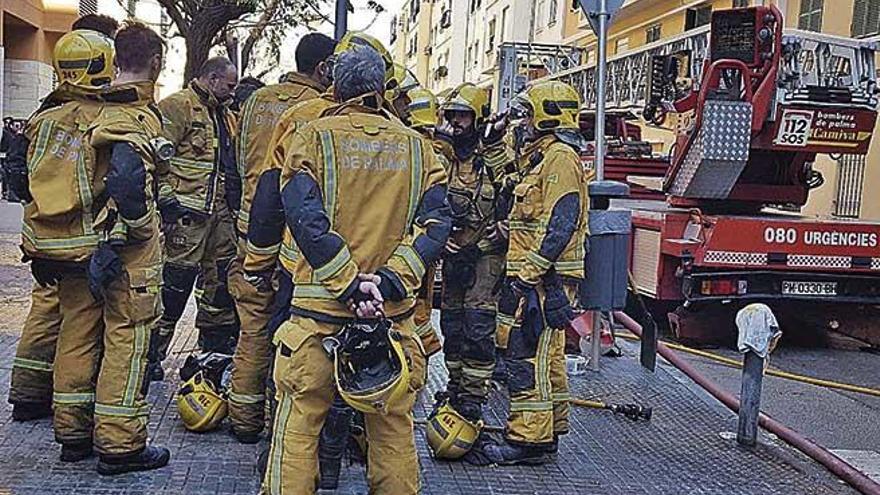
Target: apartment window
x,y
591,57
866,18
414,6
621,45
503,24
740,4
653,33
539,13
490,36
697,16
131,8
164,23
554,7
810,16
850,182
88,7
476,52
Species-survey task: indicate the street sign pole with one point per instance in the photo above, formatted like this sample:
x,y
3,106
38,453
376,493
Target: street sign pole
x,y
341,20
603,16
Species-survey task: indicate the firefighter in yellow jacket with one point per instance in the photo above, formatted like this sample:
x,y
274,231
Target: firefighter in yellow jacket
x,y
545,264
30,391
364,198
198,201
255,291
99,243
473,263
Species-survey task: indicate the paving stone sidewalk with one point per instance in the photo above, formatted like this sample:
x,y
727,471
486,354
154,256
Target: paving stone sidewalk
x,y
687,448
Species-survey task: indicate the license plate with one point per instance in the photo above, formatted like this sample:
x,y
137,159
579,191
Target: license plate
x,y
794,288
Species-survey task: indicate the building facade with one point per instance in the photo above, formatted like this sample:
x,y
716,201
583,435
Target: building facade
x,y
28,30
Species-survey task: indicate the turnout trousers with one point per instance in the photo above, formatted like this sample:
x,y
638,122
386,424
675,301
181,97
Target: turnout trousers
x,y
35,354
204,247
536,378
467,321
257,310
303,375
102,355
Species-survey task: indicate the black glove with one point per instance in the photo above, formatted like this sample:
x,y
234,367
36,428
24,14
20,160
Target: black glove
x,y
104,267
261,280
46,272
557,308
170,209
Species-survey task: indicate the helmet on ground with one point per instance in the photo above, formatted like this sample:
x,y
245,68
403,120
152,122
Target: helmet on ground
x,y
422,108
84,57
402,81
450,435
551,104
370,368
201,405
468,97
359,38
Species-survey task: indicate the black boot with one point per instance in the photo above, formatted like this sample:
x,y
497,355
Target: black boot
x,y
75,452
28,411
148,458
331,446
246,437
507,454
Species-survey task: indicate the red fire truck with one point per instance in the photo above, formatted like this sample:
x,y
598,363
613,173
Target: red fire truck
x,y
715,221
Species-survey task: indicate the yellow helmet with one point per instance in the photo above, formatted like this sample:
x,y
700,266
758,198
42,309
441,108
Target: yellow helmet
x,y
468,97
84,57
551,104
449,434
370,368
352,38
201,406
422,108
401,82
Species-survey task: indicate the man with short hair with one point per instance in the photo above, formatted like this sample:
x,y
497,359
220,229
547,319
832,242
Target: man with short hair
x,y
356,156
255,291
198,201
100,247
103,24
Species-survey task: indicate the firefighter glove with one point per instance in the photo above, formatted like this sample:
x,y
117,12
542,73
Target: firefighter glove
x,y
104,267
261,280
170,209
557,308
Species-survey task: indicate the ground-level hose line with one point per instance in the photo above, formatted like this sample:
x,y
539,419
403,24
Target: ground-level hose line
x,y
833,463
772,372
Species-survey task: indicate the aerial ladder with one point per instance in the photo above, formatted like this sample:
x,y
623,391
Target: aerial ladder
x,y
747,106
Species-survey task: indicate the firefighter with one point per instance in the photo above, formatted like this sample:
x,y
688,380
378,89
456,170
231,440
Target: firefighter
x,y
473,263
344,171
30,391
544,268
254,291
197,201
99,245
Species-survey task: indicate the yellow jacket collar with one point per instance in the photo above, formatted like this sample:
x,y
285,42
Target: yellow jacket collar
x,y
204,94
303,80
134,93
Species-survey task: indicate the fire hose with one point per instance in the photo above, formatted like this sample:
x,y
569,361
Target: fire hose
x,y
833,463
847,387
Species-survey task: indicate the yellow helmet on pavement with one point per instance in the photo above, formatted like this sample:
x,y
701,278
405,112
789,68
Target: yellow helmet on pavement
x,y
552,105
449,434
201,405
84,57
422,108
370,367
468,97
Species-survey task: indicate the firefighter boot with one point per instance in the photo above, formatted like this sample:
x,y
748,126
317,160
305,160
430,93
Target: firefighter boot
x,y
28,411
332,443
75,452
149,458
508,454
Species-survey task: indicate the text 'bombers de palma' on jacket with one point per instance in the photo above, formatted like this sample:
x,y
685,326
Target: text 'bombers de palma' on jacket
x,y
190,122
362,194
69,213
259,115
548,222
